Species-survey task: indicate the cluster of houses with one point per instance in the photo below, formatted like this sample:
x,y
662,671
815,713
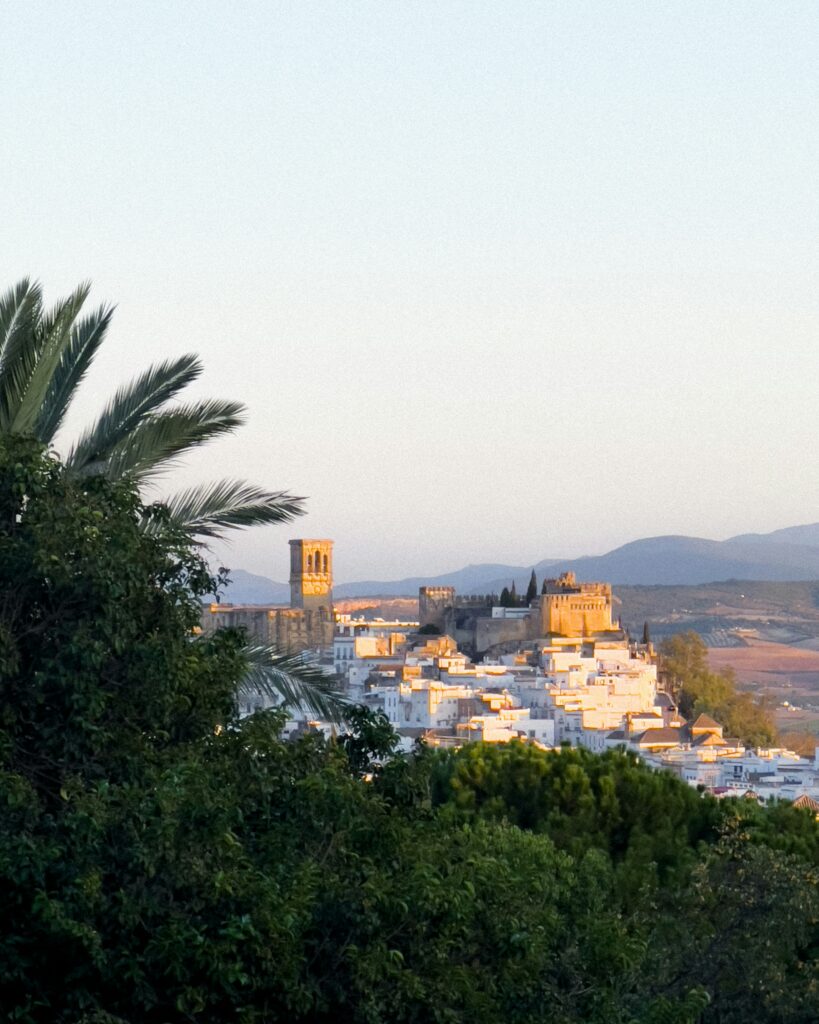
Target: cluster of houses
x,y
597,693
559,671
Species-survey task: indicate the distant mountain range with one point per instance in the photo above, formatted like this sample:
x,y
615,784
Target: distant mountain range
x,y
789,554
248,588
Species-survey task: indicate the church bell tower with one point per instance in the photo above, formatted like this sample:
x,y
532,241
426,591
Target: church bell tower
x,y
311,574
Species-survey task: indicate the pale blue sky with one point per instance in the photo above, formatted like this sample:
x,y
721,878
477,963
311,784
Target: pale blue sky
x,y
497,281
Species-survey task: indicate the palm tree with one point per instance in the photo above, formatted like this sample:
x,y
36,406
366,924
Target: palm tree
x,y
140,434
44,356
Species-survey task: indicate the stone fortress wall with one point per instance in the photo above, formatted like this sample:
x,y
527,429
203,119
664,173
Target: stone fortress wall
x,y
566,608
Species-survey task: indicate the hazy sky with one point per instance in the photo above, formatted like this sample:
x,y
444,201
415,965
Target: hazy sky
x,y
497,281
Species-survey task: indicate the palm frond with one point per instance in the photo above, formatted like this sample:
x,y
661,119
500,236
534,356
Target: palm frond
x,y
210,510
12,304
31,371
131,404
161,437
291,682
85,339
20,311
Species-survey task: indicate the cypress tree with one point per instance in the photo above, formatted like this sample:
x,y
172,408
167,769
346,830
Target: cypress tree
x,y
531,591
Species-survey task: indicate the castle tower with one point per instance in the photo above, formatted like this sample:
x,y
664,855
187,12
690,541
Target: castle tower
x,y
311,574
433,603
569,608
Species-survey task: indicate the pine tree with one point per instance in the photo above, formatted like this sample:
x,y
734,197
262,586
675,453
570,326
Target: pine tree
x,y
505,601
646,634
531,591
513,596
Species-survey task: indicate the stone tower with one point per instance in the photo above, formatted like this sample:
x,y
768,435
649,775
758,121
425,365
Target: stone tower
x,y
433,603
311,574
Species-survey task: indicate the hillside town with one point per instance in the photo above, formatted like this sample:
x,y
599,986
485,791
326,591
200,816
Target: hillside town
x,y
555,670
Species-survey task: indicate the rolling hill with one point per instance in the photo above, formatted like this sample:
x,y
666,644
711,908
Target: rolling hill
x,y
791,554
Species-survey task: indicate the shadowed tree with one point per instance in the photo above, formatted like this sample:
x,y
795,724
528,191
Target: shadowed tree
x,y
696,689
531,590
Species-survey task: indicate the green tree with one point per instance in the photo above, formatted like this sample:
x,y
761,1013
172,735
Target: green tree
x,y
95,615
505,598
746,930
531,590
644,820
683,662
697,690
714,883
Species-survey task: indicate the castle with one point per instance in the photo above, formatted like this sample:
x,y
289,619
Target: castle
x,y
309,619
565,608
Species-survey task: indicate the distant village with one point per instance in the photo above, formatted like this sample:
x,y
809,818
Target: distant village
x,y
555,669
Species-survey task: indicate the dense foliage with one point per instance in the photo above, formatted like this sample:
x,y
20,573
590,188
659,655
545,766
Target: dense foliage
x,y
163,862
684,663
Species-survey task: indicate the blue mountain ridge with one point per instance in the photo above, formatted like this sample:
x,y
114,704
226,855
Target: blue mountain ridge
x,y
790,554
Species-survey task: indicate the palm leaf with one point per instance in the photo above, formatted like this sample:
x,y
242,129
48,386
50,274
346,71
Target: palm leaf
x,y
209,510
12,305
86,338
32,365
163,436
20,313
292,683
129,406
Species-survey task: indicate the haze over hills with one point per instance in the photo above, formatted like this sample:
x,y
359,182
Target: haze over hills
x,y
249,588
805,535
788,554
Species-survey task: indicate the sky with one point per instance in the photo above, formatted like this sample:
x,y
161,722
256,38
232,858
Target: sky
x,y
496,282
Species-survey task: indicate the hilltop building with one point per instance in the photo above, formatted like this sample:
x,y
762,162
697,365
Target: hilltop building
x,y
557,671
564,608
307,622
570,608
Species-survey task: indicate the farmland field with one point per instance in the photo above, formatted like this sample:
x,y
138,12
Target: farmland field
x,y
787,675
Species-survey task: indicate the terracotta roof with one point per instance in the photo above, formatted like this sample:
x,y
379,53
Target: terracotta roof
x,y
806,801
710,739
706,722
667,736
